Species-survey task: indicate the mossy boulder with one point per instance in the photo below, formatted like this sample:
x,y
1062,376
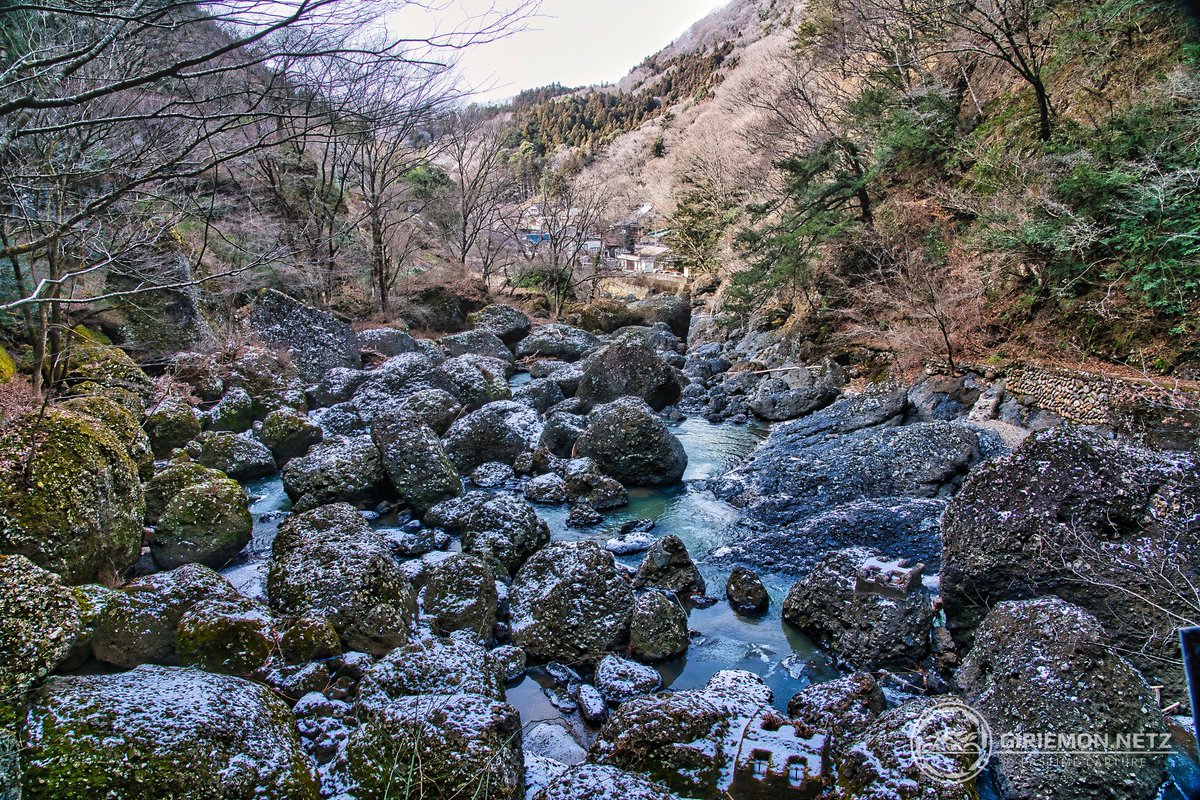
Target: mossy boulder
x,y
171,425
341,469
92,599
80,511
503,530
163,487
477,380
460,595
138,625
629,366
230,637
433,666
288,434
8,367
570,602
39,623
329,563
658,630
158,732
124,425
309,638
511,325
632,444
235,412
461,745
108,366
416,464
205,523
239,456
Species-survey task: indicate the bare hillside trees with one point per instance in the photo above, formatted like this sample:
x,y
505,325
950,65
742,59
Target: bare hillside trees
x,y
118,117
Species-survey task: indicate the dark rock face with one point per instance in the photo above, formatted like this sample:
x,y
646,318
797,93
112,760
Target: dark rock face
x,y
868,630
238,456
476,342
540,394
497,432
630,443
775,401
433,666
628,367
557,341
1048,666
161,732
329,563
417,466
570,602
387,342
317,341
746,592
506,322
502,529
674,310
460,595
1073,513
669,567
477,380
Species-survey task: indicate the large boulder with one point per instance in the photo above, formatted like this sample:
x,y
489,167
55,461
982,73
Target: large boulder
x,y
1098,521
433,666
1047,666
329,563
673,310
231,637
708,743
387,342
668,566
137,624
161,732
460,595
339,469
205,523
658,629
497,432
417,465
503,530
775,400
458,745
234,413
630,443
628,367
170,425
854,450
389,385
317,341
620,679
557,341
104,369
268,375
477,342
177,476
436,408
70,499
570,602
845,708
39,623
477,380
509,324
845,606
599,782
238,456
288,434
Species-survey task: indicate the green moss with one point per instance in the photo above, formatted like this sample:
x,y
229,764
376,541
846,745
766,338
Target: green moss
x,y
123,425
108,366
206,523
163,487
80,513
226,637
171,426
8,368
310,639
288,435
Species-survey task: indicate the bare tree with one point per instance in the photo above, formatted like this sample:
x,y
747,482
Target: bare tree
x,y
111,111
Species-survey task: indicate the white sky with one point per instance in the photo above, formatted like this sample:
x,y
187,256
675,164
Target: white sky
x,y
572,42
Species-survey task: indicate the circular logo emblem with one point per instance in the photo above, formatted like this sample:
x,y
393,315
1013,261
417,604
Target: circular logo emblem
x,y
951,741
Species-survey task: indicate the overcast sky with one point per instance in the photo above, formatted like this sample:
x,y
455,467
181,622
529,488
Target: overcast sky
x,y
573,42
